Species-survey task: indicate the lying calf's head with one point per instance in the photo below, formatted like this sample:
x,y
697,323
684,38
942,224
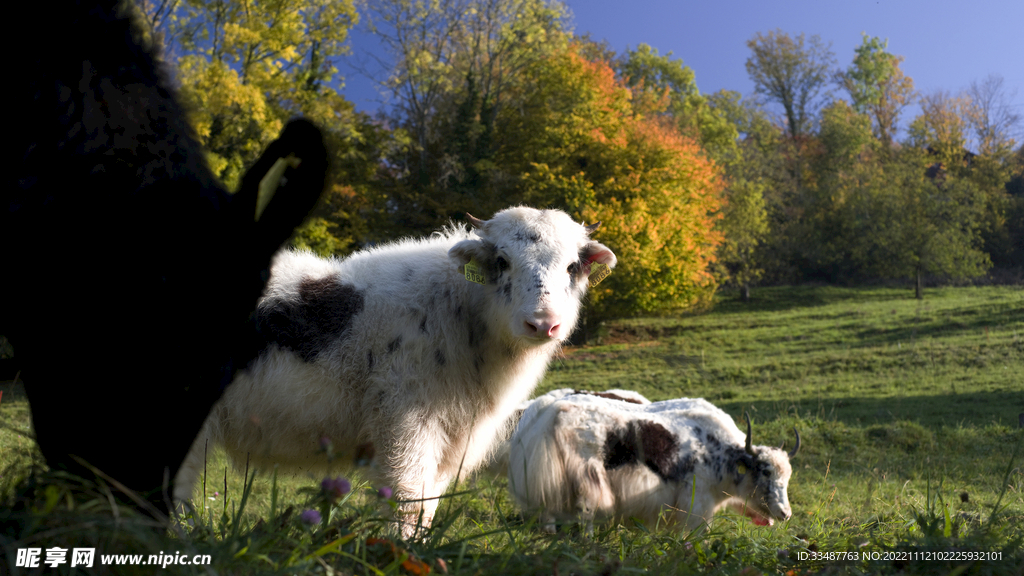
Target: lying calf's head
x,y
761,474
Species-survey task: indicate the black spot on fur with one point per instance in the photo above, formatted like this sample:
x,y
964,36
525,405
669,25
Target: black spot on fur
x,y
321,316
507,291
712,441
683,467
659,447
407,275
439,357
394,344
423,324
649,443
620,447
608,396
369,359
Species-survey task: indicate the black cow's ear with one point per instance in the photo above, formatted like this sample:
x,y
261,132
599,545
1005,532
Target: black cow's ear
x,y
289,194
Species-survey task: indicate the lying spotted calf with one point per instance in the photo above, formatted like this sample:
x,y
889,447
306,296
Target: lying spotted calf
x,y
499,461
577,456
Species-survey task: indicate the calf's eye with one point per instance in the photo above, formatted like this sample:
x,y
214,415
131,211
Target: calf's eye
x,y
501,263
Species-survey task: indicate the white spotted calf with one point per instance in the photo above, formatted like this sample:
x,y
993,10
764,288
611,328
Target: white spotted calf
x,y
393,347
499,461
576,456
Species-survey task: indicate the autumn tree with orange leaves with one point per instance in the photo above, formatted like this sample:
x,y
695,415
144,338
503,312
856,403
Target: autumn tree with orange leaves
x,y
584,148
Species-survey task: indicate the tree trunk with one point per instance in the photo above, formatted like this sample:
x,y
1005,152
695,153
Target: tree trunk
x,y
746,292
918,286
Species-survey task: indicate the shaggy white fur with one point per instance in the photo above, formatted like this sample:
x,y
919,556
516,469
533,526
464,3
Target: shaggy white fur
x,y
394,347
577,456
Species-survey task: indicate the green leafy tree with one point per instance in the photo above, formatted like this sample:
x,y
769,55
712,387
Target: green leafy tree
x,y
752,169
910,225
878,87
653,77
846,159
453,66
1013,257
945,128
744,227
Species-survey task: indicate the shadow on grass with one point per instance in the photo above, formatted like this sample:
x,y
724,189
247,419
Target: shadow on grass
x,y
954,321
933,411
781,298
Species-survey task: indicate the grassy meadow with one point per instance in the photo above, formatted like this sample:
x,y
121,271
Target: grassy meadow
x,y
908,410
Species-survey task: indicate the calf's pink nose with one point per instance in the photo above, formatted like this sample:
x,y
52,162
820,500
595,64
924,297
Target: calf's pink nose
x,y
543,327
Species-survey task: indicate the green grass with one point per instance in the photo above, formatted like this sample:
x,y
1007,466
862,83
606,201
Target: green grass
x,y
908,412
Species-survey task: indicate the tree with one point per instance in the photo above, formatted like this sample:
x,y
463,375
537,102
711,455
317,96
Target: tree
x,y
652,77
991,118
878,87
1014,257
245,68
941,128
911,225
582,148
752,171
793,74
845,161
744,227
453,67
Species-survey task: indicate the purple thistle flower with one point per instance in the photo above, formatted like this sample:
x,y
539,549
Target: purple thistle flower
x,y
335,487
310,517
384,492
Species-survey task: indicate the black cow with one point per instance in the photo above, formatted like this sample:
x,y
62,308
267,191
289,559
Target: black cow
x,y
129,274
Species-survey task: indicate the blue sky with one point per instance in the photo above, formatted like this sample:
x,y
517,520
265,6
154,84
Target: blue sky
x,y
946,44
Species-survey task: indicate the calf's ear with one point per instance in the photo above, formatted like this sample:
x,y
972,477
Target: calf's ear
x,y
465,251
597,252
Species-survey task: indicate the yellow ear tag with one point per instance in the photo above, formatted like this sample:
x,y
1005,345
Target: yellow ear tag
x,y
741,468
474,273
598,272
271,180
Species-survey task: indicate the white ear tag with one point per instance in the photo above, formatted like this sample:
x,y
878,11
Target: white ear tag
x,y
598,272
474,273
